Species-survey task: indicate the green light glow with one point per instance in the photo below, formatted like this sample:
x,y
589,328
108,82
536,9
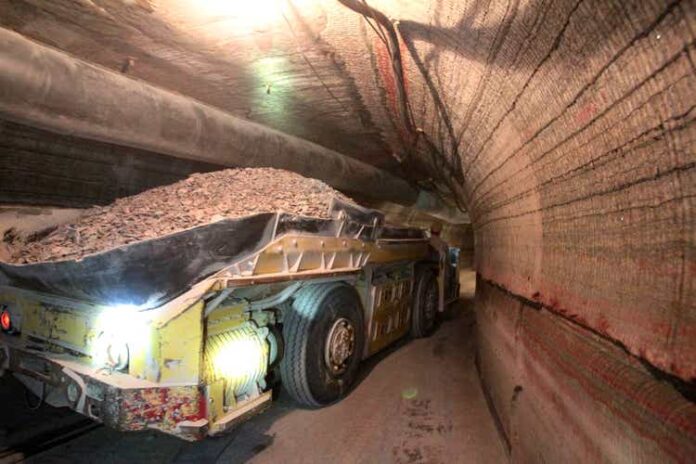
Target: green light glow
x,y
273,89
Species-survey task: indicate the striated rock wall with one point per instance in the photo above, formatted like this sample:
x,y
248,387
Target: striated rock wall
x,y
573,127
567,129
38,167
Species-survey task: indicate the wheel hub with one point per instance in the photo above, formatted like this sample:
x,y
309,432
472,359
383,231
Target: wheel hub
x,y
340,344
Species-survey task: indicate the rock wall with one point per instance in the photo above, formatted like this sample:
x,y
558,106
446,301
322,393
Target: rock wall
x,y
43,168
569,129
565,394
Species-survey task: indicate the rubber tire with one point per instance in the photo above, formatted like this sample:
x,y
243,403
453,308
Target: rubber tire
x,y
426,288
306,324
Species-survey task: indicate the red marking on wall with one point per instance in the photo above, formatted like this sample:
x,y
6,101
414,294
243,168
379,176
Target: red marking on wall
x,y
386,74
602,323
559,400
527,133
389,81
585,113
593,373
646,329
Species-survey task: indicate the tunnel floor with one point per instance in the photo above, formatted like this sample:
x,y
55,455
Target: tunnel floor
x,y
415,403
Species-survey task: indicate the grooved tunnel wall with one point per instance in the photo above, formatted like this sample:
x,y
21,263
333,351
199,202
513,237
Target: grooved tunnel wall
x,y
565,129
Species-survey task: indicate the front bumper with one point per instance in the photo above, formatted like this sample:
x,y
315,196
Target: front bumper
x,y
120,400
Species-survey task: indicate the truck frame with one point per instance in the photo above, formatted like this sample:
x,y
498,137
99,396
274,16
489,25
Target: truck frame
x,y
188,333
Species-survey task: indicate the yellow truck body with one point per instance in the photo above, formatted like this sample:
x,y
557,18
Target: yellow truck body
x,y
197,363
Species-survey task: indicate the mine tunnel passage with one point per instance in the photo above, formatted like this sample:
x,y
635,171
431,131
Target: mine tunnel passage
x,y
564,130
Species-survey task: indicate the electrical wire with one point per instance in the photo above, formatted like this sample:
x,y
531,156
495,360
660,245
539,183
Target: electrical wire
x,y
387,32
390,36
377,28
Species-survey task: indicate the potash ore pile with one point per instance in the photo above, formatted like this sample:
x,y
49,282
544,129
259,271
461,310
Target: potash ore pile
x,y
200,199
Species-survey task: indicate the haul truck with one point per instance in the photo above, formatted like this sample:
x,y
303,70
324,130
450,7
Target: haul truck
x,y
185,333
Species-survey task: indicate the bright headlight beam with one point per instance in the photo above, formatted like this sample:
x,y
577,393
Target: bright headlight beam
x,y
110,352
238,358
119,330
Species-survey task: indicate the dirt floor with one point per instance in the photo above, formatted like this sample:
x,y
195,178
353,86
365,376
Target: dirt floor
x,y
419,402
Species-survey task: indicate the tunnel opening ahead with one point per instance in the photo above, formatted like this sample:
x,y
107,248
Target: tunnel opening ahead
x,y
565,130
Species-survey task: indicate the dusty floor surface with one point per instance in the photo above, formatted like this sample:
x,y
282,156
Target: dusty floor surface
x,y
446,421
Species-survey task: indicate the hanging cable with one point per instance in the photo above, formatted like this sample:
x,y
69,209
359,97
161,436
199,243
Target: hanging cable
x,y
376,27
391,39
387,32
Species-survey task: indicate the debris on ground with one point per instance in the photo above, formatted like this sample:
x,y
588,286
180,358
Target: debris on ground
x,y
198,200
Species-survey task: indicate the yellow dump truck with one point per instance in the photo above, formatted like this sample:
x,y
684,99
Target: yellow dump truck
x,y
188,333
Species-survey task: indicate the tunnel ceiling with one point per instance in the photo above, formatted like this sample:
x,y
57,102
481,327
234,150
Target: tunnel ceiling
x,y
565,128
266,61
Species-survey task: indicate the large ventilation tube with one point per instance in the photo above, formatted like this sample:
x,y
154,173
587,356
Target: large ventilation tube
x,y
47,88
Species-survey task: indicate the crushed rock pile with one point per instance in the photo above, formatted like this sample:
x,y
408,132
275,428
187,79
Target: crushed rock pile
x,y
198,200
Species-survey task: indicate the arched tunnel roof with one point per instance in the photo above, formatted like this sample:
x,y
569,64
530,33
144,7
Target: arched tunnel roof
x,y
566,129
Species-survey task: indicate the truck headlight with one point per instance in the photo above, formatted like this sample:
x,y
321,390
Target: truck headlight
x,y
240,357
119,331
110,352
237,358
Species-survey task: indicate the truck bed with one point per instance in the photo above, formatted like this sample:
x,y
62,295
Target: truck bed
x,y
152,272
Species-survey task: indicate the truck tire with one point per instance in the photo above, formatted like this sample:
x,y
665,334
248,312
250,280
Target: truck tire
x,y
324,338
425,302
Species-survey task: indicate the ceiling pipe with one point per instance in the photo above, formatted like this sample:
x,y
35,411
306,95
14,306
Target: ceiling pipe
x,y
47,88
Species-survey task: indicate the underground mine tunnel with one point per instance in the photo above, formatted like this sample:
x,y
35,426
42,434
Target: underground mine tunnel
x,y
348,231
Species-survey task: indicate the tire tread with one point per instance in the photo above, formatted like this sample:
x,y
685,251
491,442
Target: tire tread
x,y
424,277
296,331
